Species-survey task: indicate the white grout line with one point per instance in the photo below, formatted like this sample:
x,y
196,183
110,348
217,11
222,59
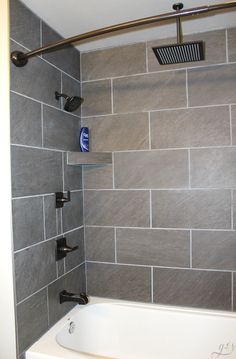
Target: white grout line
x,y
32,196
232,209
174,149
163,267
37,148
149,131
226,46
187,97
151,73
113,170
61,221
189,168
166,228
191,249
230,125
44,220
63,172
112,97
42,125
160,189
150,204
115,244
152,285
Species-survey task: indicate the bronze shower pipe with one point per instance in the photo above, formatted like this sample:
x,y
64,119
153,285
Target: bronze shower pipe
x,y
20,59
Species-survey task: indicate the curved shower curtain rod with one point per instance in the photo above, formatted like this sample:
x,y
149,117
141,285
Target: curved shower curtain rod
x,y
20,59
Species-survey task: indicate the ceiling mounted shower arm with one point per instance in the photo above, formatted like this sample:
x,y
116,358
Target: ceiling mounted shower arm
x,y
177,7
20,59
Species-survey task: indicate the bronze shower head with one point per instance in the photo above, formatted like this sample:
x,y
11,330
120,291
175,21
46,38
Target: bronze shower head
x,y
72,103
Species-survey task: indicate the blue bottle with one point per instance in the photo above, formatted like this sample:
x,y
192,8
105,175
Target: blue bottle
x,y
84,139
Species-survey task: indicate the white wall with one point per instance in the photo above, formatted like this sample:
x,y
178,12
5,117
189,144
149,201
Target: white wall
x,y
7,322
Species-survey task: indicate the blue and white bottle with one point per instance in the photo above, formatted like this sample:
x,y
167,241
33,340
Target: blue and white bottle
x,y
84,139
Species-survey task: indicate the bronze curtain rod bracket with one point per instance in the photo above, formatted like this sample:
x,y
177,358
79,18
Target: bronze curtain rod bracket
x,y
20,59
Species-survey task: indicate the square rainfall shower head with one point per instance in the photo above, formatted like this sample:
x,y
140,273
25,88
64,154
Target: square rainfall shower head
x,y
179,53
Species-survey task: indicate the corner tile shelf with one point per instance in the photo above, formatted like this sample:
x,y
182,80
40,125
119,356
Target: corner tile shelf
x,y
88,158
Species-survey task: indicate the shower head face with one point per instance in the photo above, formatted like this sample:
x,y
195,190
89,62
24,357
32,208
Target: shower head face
x,y
73,103
180,53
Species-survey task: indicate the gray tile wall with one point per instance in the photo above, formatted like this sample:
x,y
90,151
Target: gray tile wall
x,y
41,133
161,220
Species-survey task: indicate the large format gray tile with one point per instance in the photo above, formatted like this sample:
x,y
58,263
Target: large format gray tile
x,y
116,61
97,98
66,58
231,44
26,126
50,216
207,126
119,281
72,212
73,259
32,319
72,176
37,79
192,288
35,267
71,87
212,85
150,92
25,26
118,132
117,208
100,244
35,171
214,47
27,219
98,177
214,250
73,282
153,247
192,209
233,119
60,130
213,167
151,169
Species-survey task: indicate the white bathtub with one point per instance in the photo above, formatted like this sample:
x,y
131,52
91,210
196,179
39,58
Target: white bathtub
x,y
126,330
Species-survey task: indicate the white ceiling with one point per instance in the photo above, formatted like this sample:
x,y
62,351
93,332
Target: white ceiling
x,y
74,17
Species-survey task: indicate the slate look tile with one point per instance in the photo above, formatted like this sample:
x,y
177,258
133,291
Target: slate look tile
x,y
122,282
117,61
153,247
117,208
27,216
100,244
150,92
32,319
192,209
30,274
195,127
118,132
192,288
154,169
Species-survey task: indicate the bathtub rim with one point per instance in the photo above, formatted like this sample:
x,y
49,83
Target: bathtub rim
x,y
48,339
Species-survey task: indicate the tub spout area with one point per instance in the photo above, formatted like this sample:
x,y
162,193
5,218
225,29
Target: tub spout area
x,y
65,296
